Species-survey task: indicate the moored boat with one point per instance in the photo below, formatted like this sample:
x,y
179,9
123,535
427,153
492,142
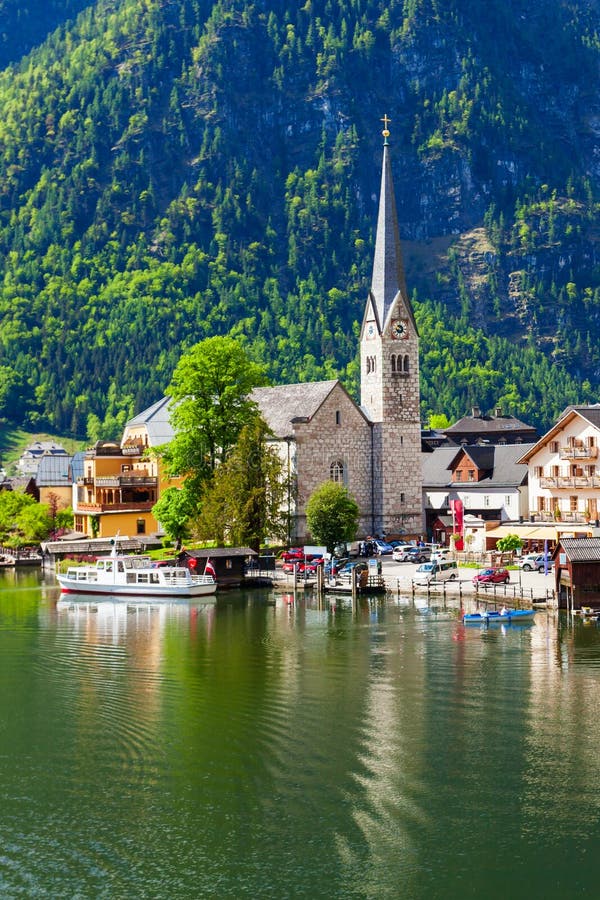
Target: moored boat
x,y
135,576
489,617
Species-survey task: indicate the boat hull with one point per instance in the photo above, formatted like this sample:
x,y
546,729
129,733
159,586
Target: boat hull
x,y
133,591
490,618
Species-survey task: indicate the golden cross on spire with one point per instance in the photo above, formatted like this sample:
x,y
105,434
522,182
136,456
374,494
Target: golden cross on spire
x,y
386,121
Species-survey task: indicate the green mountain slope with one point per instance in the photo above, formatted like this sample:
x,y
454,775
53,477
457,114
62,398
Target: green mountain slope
x,y
170,171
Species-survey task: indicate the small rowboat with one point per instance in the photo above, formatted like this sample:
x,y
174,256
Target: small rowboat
x,y
490,617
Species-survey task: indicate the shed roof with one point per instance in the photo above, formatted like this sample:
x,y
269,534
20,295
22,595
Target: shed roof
x,y
91,546
221,552
581,549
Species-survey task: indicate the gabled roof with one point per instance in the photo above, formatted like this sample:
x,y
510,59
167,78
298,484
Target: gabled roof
x,y
53,471
281,404
590,413
506,470
157,421
278,405
581,549
482,455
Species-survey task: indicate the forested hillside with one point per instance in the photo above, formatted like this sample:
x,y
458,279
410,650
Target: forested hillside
x,y
174,170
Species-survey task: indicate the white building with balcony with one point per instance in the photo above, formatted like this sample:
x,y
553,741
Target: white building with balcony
x,y
564,469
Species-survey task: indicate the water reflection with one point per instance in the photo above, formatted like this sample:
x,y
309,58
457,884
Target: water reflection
x,y
271,745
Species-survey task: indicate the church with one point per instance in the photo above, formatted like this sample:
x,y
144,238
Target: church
x,y
321,433
373,449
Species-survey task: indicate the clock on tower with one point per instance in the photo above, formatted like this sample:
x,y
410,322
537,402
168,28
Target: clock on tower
x,y
399,329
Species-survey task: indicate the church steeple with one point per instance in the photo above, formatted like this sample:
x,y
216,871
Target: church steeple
x,y
388,269
389,375
389,336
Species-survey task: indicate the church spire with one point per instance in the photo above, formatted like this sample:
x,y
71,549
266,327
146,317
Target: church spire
x,y
388,269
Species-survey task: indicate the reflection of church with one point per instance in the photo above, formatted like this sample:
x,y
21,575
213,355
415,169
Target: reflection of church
x,y
373,449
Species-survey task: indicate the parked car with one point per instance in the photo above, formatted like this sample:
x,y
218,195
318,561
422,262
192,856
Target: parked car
x,y
441,553
413,554
398,552
532,561
334,565
346,570
382,548
308,567
291,554
492,576
436,570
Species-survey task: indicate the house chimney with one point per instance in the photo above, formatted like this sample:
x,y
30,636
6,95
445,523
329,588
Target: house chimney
x,y
498,412
476,413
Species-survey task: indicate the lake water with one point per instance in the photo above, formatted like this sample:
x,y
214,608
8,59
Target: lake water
x,y
247,750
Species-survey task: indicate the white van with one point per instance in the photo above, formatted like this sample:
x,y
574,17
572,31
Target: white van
x,y
436,570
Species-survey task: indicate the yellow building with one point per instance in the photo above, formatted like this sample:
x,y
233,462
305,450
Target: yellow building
x,y
122,482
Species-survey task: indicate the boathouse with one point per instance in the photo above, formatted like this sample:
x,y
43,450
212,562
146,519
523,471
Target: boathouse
x,y
577,572
231,564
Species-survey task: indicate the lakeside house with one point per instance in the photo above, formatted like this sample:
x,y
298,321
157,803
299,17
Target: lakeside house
x,y
489,481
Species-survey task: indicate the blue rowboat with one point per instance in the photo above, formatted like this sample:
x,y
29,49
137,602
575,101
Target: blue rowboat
x,y
490,617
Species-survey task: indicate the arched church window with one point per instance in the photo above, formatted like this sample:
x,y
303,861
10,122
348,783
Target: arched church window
x,y
338,417
406,366
336,471
393,364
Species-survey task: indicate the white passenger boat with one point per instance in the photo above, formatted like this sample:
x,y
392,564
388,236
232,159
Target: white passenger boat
x,y
135,576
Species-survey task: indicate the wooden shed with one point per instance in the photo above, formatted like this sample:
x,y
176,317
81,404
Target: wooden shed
x,y
577,572
229,563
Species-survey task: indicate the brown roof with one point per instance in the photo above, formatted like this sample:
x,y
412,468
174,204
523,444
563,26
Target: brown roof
x,y
487,425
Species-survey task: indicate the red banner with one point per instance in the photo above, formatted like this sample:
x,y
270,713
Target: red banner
x,y
458,522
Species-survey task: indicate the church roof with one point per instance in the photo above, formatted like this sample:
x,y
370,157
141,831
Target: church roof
x,y
388,268
281,404
157,421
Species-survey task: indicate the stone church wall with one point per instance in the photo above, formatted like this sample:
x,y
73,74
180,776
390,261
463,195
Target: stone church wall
x,y
337,433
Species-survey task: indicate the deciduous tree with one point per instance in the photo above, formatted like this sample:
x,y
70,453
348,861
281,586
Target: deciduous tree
x,y
173,510
210,390
332,515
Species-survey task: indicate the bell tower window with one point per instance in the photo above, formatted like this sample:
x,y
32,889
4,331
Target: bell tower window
x,y
400,364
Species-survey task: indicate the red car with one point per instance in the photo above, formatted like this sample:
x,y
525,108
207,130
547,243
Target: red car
x,y
492,576
294,553
303,568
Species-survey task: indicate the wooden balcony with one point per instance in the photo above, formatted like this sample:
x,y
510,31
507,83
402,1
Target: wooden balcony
x,y
94,509
548,516
141,479
569,482
578,452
